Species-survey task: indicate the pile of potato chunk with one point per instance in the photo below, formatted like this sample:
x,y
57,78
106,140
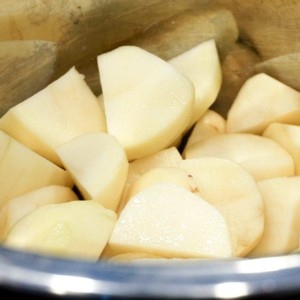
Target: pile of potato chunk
x,y
233,191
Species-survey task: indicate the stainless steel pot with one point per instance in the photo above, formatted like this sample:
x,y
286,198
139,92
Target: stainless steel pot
x,y
77,31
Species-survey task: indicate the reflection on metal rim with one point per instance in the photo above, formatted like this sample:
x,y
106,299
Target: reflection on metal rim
x,y
192,279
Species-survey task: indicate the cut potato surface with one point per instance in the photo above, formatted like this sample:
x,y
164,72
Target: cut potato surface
x,y
261,157
233,191
162,159
168,221
201,65
237,66
159,175
210,124
23,171
144,202
16,208
98,165
148,103
282,214
288,137
261,101
77,229
65,109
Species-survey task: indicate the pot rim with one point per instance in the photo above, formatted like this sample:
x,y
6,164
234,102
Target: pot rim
x,y
230,278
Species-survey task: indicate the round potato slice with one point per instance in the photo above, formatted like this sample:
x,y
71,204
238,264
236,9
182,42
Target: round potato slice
x,y
169,221
233,191
263,158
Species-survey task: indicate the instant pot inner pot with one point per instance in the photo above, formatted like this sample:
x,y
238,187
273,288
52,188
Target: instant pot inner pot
x,y
40,41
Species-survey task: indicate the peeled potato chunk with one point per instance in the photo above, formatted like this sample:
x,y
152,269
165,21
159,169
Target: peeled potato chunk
x,y
261,101
167,220
16,208
261,157
77,229
210,124
282,213
148,103
98,165
23,171
161,159
233,191
288,137
283,68
63,110
201,65
158,175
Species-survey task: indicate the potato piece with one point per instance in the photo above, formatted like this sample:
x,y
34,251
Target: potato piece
x,y
77,229
161,159
98,165
282,212
202,67
148,103
16,208
210,124
260,156
160,175
168,221
65,109
237,66
73,25
288,137
261,101
23,171
283,68
233,191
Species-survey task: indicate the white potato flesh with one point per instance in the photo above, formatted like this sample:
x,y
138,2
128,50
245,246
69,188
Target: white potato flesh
x,y
162,159
282,214
98,166
261,101
158,175
23,171
288,137
148,103
263,158
77,229
16,208
63,110
168,221
233,191
201,65
210,124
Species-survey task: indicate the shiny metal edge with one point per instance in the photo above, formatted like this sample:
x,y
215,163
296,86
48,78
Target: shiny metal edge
x,y
190,279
